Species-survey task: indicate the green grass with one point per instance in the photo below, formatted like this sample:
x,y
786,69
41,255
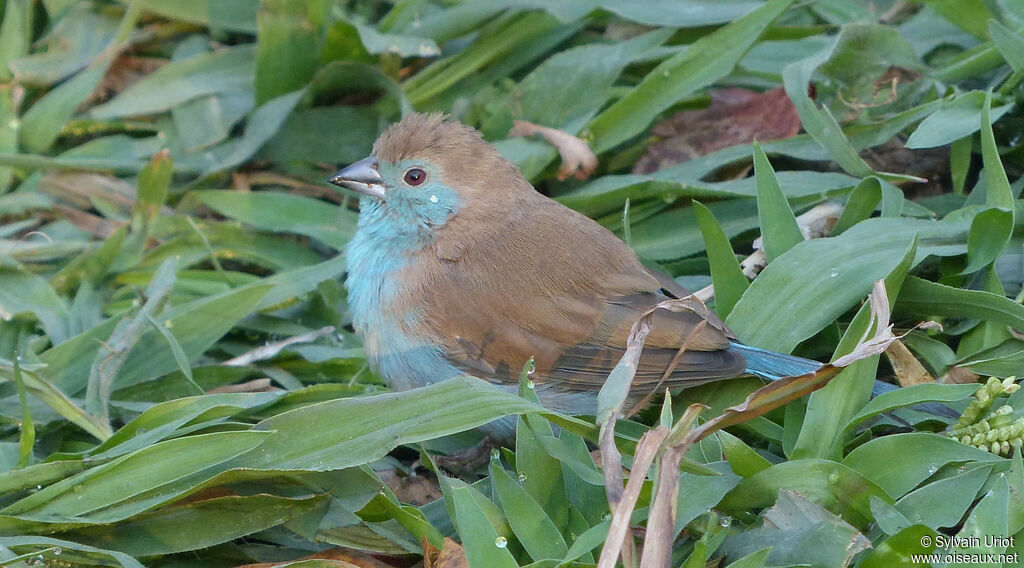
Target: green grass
x,y
180,383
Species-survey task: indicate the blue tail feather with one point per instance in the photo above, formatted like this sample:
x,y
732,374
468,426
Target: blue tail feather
x,y
774,366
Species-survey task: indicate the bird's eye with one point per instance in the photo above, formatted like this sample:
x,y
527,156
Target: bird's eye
x,y
415,176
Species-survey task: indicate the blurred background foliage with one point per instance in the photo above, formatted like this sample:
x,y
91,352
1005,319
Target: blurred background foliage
x,y
181,386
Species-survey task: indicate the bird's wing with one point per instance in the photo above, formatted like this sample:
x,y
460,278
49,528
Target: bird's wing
x,y
547,282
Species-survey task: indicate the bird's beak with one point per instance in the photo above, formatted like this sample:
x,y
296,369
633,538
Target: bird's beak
x,y
362,177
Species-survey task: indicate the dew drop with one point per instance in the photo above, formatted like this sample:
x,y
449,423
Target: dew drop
x,y
530,385
532,369
78,488
522,477
38,487
933,469
36,561
381,491
833,273
433,199
501,542
57,551
725,522
495,454
833,477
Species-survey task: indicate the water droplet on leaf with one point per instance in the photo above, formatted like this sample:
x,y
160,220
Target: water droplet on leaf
x,y
501,542
725,522
833,273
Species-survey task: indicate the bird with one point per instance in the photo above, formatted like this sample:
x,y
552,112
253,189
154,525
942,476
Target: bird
x,y
460,266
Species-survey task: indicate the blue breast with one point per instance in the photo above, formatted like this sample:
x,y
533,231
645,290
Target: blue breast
x,y
380,249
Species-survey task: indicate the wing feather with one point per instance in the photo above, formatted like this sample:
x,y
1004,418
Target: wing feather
x,y
570,302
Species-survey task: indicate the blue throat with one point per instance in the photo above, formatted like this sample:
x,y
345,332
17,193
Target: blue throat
x,y
386,240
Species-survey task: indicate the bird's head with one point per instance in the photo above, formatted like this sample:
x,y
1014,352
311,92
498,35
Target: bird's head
x,y
428,168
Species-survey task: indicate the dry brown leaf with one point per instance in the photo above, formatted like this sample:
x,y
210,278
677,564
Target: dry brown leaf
x,y
622,501
578,160
671,365
611,466
611,459
95,225
123,72
735,116
817,222
618,532
451,555
960,376
883,337
240,181
412,489
909,371
205,494
255,385
271,349
661,524
79,188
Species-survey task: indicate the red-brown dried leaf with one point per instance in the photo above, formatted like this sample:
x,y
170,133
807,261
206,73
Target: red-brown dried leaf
x,y
450,556
415,490
125,71
578,160
735,116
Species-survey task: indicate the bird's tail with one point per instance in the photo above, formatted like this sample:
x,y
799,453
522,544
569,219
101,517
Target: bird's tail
x,y
774,366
